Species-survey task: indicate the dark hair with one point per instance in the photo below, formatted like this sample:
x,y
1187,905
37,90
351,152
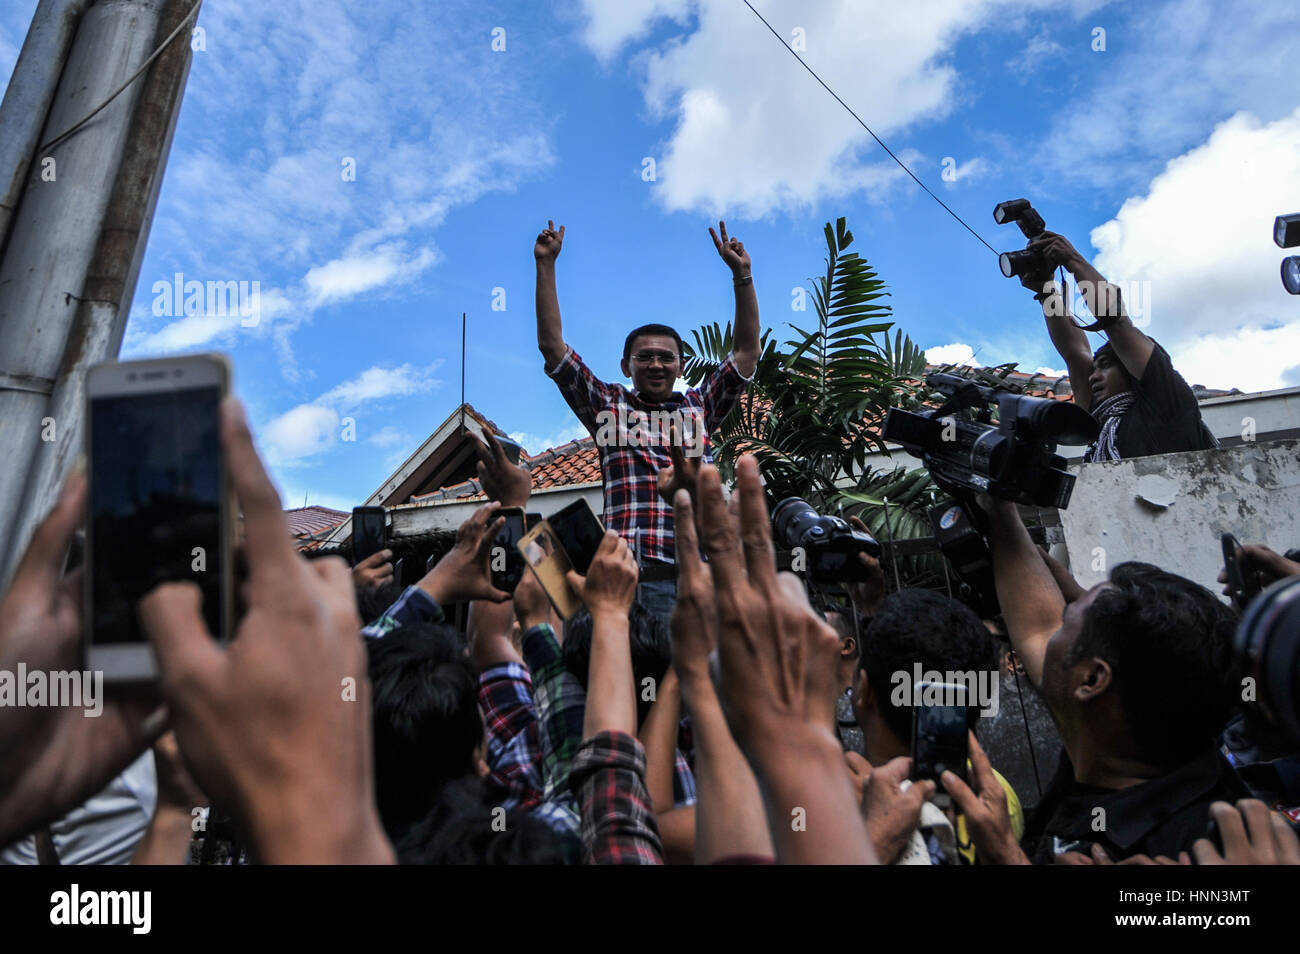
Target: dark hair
x,y
920,626
464,828
426,723
651,649
1108,352
663,330
1168,642
372,601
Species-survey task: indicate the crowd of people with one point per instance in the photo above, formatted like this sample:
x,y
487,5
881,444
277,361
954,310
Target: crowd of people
x,y
715,718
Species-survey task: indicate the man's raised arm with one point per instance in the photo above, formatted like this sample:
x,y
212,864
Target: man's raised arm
x,y
550,335
1131,346
745,342
1031,601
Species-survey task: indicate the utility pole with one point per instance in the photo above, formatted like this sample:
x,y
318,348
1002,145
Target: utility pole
x,y
77,230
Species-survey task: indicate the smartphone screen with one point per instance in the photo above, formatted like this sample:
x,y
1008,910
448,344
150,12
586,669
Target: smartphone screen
x,y
579,532
507,561
939,740
156,489
542,551
369,533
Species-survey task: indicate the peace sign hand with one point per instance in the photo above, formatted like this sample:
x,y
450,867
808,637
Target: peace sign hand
x,y
732,251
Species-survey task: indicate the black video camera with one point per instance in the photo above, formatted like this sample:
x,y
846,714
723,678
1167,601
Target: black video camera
x,y
1013,460
829,544
1267,643
1023,261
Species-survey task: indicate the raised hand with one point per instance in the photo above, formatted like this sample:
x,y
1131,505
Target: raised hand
x,y
502,481
610,584
732,251
684,471
549,242
986,811
465,572
374,570
1251,835
54,758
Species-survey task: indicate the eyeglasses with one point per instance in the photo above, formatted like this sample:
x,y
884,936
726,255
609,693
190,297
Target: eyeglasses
x,y
666,358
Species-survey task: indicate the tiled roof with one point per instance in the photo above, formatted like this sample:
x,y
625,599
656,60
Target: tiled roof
x,y
311,520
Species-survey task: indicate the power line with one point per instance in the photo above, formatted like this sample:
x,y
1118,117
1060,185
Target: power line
x,y
900,162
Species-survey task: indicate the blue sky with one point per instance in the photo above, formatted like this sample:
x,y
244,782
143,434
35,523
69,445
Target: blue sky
x,y
1163,157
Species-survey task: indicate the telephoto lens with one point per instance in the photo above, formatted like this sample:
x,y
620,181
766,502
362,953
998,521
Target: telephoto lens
x,y
1268,644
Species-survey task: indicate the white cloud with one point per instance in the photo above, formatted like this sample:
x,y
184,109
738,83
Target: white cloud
x,y
309,430
956,353
1199,243
1037,53
1173,70
377,383
355,274
389,436
975,168
420,122
305,431
753,132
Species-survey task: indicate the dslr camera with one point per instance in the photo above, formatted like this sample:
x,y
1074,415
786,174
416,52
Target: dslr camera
x,y
1014,459
1023,261
830,544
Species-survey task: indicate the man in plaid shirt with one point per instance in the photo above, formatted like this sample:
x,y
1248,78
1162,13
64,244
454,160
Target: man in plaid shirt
x,y
631,427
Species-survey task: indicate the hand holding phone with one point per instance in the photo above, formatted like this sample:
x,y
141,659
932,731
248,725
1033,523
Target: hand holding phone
x,y
1243,584
939,732
465,572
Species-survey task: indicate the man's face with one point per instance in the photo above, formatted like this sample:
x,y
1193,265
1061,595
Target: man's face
x,y
653,366
1056,672
1107,378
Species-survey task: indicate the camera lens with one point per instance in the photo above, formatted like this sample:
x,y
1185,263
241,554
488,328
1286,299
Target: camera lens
x,y
1291,274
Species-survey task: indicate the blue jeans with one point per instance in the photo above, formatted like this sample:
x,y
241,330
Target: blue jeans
x,y
659,597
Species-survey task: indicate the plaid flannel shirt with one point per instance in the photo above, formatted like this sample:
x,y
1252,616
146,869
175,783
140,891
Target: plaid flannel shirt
x,y
632,453
618,824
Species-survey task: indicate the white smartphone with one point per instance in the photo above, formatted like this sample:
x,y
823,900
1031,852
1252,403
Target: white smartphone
x,y
159,506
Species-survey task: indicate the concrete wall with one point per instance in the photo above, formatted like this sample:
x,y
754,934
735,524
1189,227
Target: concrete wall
x,y
1170,509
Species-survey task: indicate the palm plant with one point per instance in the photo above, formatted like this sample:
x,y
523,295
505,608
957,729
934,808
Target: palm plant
x,y
816,405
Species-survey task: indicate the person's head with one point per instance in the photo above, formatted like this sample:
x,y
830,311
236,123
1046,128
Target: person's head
x,y
913,626
1109,376
652,358
425,718
651,650
372,601
842,621
464,827
1141,667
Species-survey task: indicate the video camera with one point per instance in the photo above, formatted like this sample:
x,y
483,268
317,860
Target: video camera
x,y
1013,460
830,545
1268,644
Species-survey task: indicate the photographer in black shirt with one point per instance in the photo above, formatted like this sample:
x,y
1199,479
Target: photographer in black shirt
x,y
1129,384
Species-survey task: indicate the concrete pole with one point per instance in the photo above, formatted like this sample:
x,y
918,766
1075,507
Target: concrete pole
x,y
70,268
29,94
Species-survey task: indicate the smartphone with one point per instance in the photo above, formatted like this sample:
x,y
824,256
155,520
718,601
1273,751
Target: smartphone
x,y
939,739
543,552
507,561
1244,587
369,532
512,450
159,507
579,532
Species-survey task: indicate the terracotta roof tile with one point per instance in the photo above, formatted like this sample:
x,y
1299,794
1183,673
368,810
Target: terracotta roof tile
x,y
310,520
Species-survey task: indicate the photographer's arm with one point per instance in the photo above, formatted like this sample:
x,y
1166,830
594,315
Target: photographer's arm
x,y
1031,600
550,336
1104,301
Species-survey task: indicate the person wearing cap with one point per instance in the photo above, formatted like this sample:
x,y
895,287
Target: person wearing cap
x,y
1129,384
